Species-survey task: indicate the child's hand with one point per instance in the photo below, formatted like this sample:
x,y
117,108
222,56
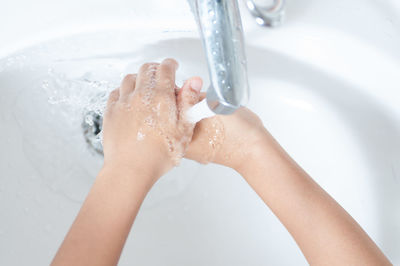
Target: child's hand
x,y
143,125
227,140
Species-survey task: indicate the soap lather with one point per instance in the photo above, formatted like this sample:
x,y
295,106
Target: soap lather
x,y
199,111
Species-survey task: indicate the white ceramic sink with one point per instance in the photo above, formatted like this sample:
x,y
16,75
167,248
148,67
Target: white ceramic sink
x,y
326,84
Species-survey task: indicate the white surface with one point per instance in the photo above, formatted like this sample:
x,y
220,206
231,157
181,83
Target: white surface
x,y
326,85
199,111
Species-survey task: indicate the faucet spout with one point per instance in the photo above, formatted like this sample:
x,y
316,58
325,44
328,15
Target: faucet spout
x,y
222,35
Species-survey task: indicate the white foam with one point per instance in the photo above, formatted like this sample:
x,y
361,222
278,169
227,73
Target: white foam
x,y
140,135
199,111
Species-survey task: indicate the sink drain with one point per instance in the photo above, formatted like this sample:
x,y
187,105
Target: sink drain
x,y
91,125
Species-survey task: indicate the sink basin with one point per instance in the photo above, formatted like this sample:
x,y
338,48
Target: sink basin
x,y
325,86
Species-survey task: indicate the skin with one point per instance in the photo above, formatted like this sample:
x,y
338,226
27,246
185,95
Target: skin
x,y
324,231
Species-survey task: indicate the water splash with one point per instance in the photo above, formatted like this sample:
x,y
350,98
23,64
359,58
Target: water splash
x,y
82,98
79,95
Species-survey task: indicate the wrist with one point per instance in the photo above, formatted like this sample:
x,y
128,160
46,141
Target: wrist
x,y
256,152
131,172
153,163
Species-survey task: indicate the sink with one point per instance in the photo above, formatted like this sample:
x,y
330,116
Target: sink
x,y
326,86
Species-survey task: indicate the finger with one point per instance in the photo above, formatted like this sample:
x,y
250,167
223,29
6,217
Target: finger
x,y
202,96
146,77
127,86
166,76
189,94
113,98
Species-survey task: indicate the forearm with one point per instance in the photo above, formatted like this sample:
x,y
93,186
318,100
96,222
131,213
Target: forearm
x,y
324,231
105,219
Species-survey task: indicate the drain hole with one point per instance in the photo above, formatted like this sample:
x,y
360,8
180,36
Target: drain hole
x,y
91,125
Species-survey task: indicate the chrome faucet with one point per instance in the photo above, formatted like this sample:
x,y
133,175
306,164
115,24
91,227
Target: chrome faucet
x,y
222,35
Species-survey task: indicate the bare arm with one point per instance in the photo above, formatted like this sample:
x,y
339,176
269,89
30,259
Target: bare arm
x,y
105,219
324,231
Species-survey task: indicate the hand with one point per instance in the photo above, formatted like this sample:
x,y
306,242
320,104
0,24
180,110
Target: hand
x,y
228,140
144,123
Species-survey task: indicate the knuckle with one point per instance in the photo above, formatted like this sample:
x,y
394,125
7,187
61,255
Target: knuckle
x,y
115,92
191,97
147,66
114,95
129,78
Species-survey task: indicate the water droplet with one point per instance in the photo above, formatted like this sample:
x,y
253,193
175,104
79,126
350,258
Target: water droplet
x,y
149,121
260,21
45,84
140,135
89,120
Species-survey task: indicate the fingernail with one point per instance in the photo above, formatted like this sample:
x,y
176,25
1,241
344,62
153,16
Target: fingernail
x,y
196,84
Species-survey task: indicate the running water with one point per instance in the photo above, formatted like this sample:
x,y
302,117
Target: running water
x,y
199,111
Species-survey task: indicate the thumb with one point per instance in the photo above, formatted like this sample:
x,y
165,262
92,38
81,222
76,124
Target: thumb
x,y
189,95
